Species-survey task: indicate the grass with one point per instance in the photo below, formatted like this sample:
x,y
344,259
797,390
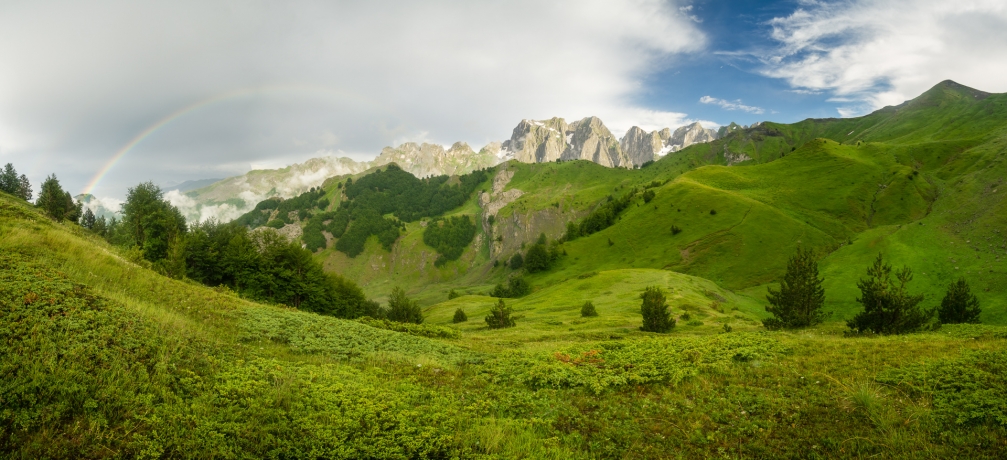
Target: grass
x,y
102,357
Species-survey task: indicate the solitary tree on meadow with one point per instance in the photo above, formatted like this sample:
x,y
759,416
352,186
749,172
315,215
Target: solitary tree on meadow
x,y
889,308
656,317
499,316
799,301
959,305
402,309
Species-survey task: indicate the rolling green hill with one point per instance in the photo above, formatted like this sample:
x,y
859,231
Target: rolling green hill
x,y
102,357
920,182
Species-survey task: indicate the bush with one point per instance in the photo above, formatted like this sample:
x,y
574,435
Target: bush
x,y
453,295
516,261
959,304
648,195
656,317
460,316
888,306
713,212
799,301
499,316
516,287
402,309
588,309
675,230
537,259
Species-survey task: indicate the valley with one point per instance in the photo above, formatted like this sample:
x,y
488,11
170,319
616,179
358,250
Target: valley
x,y
275,335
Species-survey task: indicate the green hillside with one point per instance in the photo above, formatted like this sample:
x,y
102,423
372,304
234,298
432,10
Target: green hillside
x,y
104,358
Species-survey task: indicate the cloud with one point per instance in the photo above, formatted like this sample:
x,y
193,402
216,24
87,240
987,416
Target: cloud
x,y
728,105
236,83
879,53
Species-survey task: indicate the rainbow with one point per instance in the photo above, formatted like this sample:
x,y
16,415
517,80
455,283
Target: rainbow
x,y
235,94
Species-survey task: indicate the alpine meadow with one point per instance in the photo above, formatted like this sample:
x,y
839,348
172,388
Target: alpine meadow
x,y
832,288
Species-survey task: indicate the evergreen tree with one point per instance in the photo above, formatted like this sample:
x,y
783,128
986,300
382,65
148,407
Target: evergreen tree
x,y
150,222
516,261
453,295
402,309
9,181
73,209
100,227
656,317
88,220
52,198
588,309
460,316
24,191
537,259
499,316
888,306
959,304
799,301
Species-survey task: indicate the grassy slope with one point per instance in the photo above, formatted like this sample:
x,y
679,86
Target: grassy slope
x,y
104,358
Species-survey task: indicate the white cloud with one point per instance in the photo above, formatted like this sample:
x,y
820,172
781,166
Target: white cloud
x,y
266,80
883,52
731,105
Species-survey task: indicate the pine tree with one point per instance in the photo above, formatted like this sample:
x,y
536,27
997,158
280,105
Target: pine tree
x,y
537,259
87,220
959,304
499,316
460,316
24,191
402,309
656,317
9,181
799,301
588,309
52,198
888,306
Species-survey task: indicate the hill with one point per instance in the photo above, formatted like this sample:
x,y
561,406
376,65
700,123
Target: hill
x,y
104,358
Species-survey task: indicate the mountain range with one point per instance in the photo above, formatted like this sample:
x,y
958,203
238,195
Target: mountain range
x,y
531,142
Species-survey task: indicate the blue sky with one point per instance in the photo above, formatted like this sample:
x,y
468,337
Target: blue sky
x,y
126,91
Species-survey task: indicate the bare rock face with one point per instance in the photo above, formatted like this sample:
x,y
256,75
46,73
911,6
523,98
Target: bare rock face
x,y
422,160
590,140
690,134
641,146
537,141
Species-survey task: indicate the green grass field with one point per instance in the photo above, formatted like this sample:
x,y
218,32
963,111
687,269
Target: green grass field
x,y
103,358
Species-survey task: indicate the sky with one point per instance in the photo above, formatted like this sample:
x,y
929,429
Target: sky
x,y
108,94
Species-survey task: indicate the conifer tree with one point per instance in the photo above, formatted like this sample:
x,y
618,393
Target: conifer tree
x,y
959,304
537,259
656,317
499,316
888,306
402,309
799,301
24,191
8,180
88,220
588,309
52,198
460,316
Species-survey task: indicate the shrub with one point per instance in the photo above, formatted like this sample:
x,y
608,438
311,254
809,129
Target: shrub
x,y
648,195
516,261
499,316
537,259
959,304
888,306
675,230
453,295
588,309
516,287
402,309
713,212
799,301
656,317
460,316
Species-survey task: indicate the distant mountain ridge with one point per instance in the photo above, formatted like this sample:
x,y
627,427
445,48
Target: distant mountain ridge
x,y
531,141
